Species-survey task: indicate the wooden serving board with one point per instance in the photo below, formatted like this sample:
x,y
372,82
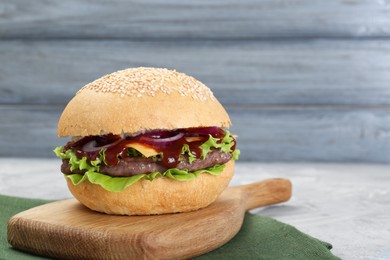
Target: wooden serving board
x,y
68,230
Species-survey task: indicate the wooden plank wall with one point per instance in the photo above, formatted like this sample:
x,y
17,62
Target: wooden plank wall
x,y
302,80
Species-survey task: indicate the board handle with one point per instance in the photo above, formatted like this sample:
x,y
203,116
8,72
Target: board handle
x,y
267,192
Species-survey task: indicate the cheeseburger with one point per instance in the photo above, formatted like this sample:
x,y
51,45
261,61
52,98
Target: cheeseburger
x,y
146,141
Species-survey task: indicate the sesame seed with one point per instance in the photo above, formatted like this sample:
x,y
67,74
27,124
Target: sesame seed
x,y
150,81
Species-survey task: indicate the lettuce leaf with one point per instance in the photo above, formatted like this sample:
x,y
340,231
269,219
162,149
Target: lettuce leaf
x,y
236,154
81,164
225,145
118,184
186,150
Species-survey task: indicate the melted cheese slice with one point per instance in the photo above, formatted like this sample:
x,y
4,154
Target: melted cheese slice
x,y
193,139
144,149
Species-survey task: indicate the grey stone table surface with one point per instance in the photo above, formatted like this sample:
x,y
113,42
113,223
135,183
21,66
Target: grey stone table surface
x,y
347,205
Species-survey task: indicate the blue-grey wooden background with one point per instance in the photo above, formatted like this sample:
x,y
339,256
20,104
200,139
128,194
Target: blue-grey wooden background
x,y
303,80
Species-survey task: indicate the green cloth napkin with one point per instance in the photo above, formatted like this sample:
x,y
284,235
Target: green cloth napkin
x,y
259,238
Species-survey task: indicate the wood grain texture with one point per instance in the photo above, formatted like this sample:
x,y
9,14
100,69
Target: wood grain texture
x,y
299,135
49,229
284,135
174,19
320,66
265,193
29,132
323,72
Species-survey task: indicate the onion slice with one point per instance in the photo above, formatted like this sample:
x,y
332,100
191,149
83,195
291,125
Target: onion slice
x,y
162,140
91,146
212,130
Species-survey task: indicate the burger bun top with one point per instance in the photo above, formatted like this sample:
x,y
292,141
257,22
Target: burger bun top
x,y
136,100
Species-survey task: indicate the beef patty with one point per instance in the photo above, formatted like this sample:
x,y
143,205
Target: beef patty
x,y
131,166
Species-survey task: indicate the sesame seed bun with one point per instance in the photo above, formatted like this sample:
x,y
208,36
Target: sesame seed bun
x,y
160,196
141,99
